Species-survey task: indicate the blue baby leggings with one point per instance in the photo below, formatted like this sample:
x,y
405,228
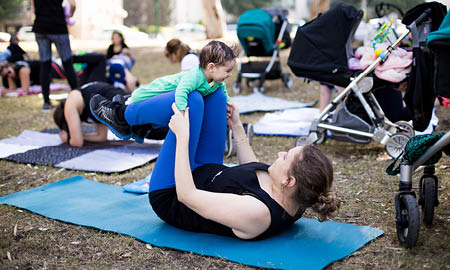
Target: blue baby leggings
x,y
207,123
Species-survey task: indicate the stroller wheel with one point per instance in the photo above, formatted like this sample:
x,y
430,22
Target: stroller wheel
x,y
407,220
236,87
249,83
259,89
312,138
287,80
404,127
396,144
302,140
429,199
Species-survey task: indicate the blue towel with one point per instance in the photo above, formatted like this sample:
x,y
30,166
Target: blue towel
x,y
308,244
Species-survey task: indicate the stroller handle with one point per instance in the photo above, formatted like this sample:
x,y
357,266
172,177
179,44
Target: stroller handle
x,y
423,16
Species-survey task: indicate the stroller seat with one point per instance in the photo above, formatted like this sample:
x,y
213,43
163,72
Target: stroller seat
x,y
262,33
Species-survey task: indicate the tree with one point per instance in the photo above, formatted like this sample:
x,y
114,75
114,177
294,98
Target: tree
x,y
142,12
10,9
213,18
237,7
317,7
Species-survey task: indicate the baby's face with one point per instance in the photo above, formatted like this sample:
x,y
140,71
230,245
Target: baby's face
x,y
223,72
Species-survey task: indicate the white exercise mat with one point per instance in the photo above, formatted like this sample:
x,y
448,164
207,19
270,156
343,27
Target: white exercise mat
x,y
293,122
259,102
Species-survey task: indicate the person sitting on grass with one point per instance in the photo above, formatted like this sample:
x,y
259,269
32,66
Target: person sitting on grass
x,y
151,103
179,52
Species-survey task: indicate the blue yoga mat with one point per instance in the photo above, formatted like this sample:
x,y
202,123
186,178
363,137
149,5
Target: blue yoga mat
x,y
308,244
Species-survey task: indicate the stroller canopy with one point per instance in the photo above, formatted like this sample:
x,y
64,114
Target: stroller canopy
x,y
322,47
256,25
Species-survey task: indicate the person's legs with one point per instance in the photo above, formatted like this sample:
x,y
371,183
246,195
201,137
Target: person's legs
x,y
95,70
211,144
62,44
324,96
163,175
45,55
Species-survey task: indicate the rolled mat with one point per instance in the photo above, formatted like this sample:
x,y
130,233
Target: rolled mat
x,y
308,244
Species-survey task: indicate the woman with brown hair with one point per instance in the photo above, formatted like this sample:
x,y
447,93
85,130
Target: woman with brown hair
x,y
179,52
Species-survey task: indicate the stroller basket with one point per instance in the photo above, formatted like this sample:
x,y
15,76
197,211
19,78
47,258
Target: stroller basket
x,y
343,117
322,57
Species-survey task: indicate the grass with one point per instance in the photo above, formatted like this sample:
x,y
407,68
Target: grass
x,y
29,241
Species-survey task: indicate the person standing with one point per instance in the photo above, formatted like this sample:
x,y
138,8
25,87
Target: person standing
x,y
50,27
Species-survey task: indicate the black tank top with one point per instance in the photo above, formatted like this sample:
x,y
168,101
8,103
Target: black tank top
x,y
50,18
242,180
88,90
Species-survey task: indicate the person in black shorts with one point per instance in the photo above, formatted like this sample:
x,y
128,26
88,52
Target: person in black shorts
x,y
70,114
21,74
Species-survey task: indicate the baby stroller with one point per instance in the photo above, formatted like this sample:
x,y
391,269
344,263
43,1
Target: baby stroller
x,y
426,150
320,52
262,33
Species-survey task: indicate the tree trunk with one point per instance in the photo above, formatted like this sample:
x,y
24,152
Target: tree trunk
x,y
213,18
318,6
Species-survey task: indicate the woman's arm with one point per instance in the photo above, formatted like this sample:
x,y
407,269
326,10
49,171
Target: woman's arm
x,y
244,151
11,84
72,7
72,113
100,136
247,216
24,77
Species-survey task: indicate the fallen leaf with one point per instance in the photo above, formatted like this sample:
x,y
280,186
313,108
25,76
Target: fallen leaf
x,y
148,246
75,242
43,229
9,256
15,230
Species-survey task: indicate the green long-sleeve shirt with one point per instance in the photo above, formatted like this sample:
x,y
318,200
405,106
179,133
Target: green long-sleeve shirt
x,y
183,83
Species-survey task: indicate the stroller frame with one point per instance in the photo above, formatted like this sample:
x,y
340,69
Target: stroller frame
x,y
286,77
406,207
361,85
394,141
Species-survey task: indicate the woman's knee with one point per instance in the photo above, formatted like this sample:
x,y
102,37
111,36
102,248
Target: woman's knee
x,y
195,99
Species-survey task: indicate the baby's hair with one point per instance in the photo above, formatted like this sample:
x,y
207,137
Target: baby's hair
x,y
218,53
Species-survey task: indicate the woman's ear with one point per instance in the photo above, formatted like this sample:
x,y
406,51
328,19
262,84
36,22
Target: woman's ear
x,y
290,182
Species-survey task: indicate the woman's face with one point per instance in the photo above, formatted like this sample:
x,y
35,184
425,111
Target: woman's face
x,y
8,71
116,39
280,168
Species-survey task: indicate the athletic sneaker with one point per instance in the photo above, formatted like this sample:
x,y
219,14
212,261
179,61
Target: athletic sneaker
x,y
47,106
105,111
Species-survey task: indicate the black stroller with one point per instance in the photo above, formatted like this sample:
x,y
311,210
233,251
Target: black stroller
x,y
313,56
262,33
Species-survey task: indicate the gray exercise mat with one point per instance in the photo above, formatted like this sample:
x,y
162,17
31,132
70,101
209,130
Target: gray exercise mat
x,y
258,102
47,149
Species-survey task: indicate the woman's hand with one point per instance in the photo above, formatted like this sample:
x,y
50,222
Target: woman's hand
x,y
179,122
63,135
233,117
